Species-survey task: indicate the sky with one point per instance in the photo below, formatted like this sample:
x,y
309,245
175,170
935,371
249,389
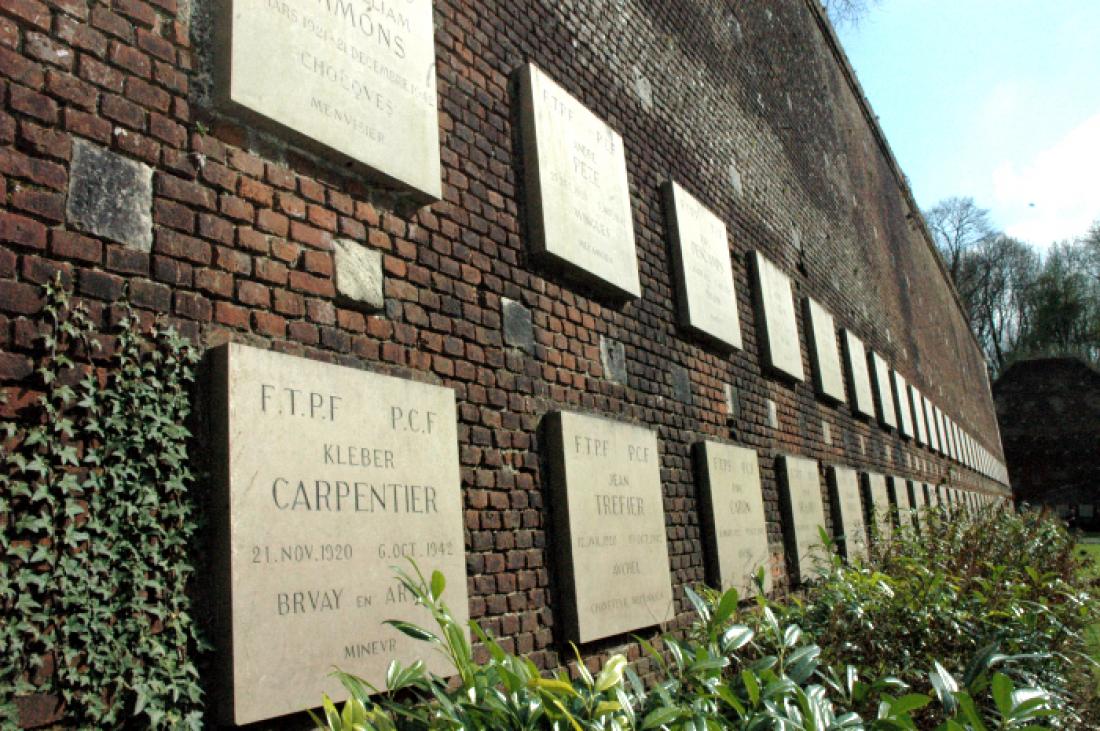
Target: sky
x,y
998,100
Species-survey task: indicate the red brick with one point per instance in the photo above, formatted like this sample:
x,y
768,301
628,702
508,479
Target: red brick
x,y
147,95
41,203
87,125
194,306
231,260
122,111
101,74
70,245
47,50
19,298
257,192
127,261
14,366
252,293
231,315
150,295
137,10
311,236
115,25
318,262
37,270
22,231
236,208
100,285
253,240
269,323
171,271
271,271
30,11
157,46
172,214
180,246
32,103
81,35
166,130
289,303
303,282
185,191
131,59
44,141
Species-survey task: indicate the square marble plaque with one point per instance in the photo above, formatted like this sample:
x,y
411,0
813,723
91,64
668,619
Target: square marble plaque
x,y
357,79
859,380
324,487
803,514
609,525
776,325
878,503
577,191
704,272
916,403
735,532
901,404
824,353
899,490
930,422
884,392
848,525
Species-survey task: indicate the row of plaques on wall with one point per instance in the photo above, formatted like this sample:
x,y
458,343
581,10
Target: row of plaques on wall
x,y
364,87
331,476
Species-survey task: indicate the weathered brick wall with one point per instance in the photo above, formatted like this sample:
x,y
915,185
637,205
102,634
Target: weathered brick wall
x,y
1049,410
747,105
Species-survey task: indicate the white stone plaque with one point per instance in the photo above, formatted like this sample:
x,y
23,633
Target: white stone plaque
x,y
735,531
918,501
803,513
884,393
609,526
705,292
901,404
930,422
859,380
916,403
879,503
326,486
354,77
578,195
848,525
900,490
824,353
777,327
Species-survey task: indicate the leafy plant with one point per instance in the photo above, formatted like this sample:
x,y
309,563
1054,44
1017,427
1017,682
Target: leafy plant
x,y
96,522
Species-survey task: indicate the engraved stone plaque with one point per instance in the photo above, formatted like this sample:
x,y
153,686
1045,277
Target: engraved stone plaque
x,y
930,422
705,292
578,195
325,487
776,323
803,513
941,428
901,403
824,353
878,501
899,489
859,380
353,77
848,523
916,403
917,502
884,393
609,525
734,528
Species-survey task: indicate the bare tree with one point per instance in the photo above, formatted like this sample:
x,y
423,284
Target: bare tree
x,y
958,226
847,12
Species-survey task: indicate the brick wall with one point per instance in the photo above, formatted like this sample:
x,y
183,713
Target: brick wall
x,y
749,106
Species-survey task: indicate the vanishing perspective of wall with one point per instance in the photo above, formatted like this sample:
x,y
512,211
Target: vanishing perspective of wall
x,y
122,171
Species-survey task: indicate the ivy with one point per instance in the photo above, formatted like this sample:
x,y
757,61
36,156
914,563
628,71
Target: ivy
x,y
97,518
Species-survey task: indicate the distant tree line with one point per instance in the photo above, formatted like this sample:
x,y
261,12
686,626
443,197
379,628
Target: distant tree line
x,y
1021,303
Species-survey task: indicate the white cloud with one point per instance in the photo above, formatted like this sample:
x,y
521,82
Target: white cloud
x,y
1055,194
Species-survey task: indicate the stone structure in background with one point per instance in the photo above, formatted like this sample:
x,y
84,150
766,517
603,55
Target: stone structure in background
x,y
610,547
824,354
325,485
859,378
1049,412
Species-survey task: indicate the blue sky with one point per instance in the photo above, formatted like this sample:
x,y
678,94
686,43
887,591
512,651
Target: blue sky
x,y
994,99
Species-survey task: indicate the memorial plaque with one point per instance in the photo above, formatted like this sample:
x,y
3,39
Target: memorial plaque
x,y
705,292
916,403
734,526
918,502
326,486
899,490
824,353
609,526
859,380
878,503
356,78
848,526
884,393
776,323
930,422
803,513
942,426
578,195
901,404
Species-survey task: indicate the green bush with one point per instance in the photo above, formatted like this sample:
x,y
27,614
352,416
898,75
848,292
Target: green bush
x,y
955,640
